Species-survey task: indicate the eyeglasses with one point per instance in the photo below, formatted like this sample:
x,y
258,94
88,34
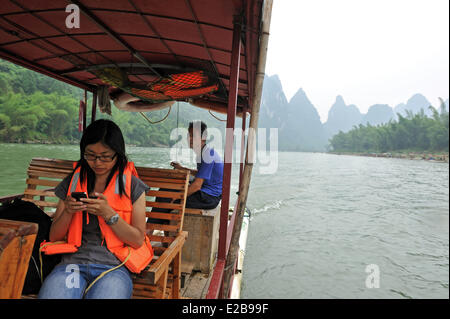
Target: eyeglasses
x,y
103,158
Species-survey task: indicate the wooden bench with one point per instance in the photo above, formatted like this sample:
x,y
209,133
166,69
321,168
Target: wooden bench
x,y
161,279
16,245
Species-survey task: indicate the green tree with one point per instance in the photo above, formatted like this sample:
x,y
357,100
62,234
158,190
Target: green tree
x,y
411,132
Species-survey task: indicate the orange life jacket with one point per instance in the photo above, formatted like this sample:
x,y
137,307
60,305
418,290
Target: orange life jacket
x,y
138,258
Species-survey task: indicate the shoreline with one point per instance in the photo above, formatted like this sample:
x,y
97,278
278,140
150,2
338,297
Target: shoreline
x,y
440,157
77,143
425,156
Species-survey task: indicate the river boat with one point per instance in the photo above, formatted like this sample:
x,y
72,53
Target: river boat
x,y
152,53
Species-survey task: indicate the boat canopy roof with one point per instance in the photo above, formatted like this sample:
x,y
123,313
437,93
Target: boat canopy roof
x,y
156,50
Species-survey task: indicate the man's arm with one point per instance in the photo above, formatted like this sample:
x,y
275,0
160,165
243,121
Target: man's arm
x,y
177,165
195,186
204,173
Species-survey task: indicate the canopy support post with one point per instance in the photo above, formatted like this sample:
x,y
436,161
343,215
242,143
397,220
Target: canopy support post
x,y
250,156
94,106
241,162
85,110
216,280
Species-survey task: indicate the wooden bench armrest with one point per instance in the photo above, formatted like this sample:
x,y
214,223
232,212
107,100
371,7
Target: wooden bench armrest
x,y
8,198
16,245
9,229
157,269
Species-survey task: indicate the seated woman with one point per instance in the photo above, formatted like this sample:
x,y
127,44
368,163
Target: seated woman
x,y
103,237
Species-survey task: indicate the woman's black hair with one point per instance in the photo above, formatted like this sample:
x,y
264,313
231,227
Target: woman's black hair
x,y
109,134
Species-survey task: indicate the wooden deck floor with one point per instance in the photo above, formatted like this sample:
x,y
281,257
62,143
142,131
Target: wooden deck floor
x,y
195,285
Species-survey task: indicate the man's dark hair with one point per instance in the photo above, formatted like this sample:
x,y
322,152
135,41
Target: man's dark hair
x,y
202,126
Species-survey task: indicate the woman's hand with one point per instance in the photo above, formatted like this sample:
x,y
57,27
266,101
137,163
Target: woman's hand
x,y
71,205
131,234
63,216
99,206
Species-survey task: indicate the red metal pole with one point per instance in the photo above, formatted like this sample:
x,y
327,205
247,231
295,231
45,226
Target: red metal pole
x,y
231,117
216,280
81,111
94,106
85,110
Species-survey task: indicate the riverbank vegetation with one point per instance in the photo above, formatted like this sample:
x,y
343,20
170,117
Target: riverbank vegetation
x,y
411,133
35,108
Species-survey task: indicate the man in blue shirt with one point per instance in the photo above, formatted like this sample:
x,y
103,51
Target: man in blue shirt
x,y
205,192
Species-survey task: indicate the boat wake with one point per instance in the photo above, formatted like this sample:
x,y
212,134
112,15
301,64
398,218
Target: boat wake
x,y
268,207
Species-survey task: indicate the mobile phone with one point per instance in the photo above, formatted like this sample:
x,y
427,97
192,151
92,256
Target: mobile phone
x,y
78,195
93,197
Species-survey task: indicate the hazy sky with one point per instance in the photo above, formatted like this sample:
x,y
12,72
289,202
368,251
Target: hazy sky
x,y
368,51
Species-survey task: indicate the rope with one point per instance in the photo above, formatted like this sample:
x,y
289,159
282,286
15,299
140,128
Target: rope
x,y
108,271
40,255
145,116
216,116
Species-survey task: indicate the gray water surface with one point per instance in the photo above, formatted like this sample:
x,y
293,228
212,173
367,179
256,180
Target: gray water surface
x,y
320,221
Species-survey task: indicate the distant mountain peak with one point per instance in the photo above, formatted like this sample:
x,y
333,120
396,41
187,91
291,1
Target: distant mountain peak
x,y
341,117
378,114
275,82
300,93
339,100
414,104
275,77
418,99
300,99
299,122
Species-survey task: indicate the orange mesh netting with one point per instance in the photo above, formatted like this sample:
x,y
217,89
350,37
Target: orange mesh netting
x,y
171,87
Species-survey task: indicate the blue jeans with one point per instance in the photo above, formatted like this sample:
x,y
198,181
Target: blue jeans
x,y
69,281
